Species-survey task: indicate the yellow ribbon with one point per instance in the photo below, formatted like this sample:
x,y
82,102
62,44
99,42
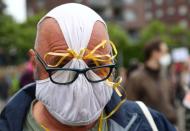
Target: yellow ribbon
x,y
91,54
100,123
46,129
97,57
62,55
75,54
115,86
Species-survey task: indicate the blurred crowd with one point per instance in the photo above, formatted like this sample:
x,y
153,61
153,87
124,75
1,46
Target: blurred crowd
x,y
12,78
162,81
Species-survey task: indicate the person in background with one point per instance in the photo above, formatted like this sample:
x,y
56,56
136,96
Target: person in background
x,y
150,83
4,87
134,64
27,75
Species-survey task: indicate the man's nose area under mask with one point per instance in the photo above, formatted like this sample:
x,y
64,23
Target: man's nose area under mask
x,y
63,76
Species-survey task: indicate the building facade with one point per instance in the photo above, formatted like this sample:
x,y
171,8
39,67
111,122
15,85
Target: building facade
x,y
131,14
2,6
168,11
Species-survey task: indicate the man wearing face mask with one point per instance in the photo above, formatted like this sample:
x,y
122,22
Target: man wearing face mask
x,y
75,90
150,83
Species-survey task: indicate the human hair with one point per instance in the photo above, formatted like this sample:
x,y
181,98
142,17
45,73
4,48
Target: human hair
x,y
150,47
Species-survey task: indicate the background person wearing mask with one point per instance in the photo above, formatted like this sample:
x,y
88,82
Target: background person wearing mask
x,y
75,94
150,83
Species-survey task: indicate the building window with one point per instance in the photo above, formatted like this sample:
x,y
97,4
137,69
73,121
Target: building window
x,y
78,1
129,1
41,3
159,13
108,13
30,11
101,3
182,10
130,16
159,2
183,23
117,13
171,11
148,5
148,16
170,2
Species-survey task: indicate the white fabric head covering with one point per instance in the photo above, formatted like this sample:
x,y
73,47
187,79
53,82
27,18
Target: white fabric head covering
x,y
76,22
80,102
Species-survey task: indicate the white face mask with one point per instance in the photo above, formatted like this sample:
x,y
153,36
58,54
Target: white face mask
x,y
79,103
165,60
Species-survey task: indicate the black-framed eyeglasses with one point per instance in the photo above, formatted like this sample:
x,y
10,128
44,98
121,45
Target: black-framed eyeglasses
x,y
70,75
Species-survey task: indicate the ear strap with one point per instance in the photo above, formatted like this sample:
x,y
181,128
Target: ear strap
x,y
147,115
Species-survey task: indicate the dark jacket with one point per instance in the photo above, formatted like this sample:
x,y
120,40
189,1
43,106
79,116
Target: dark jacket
x,y
154,89
128,118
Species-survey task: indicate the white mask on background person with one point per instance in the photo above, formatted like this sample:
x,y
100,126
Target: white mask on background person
x,y
81,102
165,60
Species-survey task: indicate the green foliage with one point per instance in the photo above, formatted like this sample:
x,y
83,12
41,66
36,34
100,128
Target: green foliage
x,y
155,29
18,36
173,35
119,37
27,34
8,32
117,34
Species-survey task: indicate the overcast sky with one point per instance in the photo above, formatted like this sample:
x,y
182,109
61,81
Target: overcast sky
x,y
16,8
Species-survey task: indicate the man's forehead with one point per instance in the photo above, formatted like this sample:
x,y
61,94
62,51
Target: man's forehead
x,y
49,30
51,36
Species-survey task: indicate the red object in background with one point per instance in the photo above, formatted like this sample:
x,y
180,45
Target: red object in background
x,y
178,67
27,76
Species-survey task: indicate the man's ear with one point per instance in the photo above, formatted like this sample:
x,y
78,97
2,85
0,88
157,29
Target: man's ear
x,y
31,54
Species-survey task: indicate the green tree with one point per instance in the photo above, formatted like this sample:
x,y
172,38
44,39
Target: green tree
x,y
8,32
119,36
27,33
18,36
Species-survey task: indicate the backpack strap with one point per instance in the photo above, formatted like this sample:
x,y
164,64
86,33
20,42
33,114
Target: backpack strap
x,y
148,116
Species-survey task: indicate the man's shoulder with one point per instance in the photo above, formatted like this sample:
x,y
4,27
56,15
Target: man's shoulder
x,y
130,116
14,113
